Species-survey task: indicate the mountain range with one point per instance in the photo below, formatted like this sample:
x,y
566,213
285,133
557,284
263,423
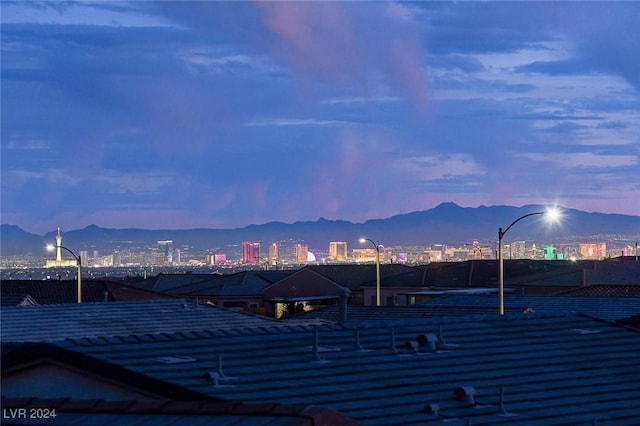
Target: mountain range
x,y
447,223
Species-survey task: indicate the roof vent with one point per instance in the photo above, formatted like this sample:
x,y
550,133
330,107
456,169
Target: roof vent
x,y
393,340
465,394
413,346
220,373
441,343
431,409
501,410
316,348
358,344
428,341
214,376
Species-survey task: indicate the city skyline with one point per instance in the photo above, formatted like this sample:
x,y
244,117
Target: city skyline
x,y
225,114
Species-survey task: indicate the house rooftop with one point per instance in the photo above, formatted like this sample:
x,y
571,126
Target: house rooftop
x,y
606,308
50,292
53,322
534,369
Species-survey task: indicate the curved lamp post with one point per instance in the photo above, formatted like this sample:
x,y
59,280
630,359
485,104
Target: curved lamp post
x,y
377,247
551,213
78,262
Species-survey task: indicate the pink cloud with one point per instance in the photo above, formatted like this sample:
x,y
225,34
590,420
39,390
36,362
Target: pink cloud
x,y
370,47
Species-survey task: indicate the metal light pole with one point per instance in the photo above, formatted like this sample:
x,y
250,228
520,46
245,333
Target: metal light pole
x,y
377,247
501,233
79,263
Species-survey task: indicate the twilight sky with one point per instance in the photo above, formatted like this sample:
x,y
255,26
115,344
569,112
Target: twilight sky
x,y
222,114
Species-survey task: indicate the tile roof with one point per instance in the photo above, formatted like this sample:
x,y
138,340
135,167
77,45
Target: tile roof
x,y
57,291
52,322
120,291
243,283
353,276
606,308
475,273
617,271
305,283
70,412
553,369
356,313
605,290
168,282
16,300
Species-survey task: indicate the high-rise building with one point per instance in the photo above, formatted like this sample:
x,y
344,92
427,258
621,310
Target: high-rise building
x,y
593,251
250,252
302,253
165,249
274,255
364,255
519,249
59,262
338,251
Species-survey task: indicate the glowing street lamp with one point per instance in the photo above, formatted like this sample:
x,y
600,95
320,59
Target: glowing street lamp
x,y
51,247
362,241
552,214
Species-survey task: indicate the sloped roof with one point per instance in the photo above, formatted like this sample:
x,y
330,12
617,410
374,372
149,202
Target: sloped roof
x,y
47,292
120,292
474,273
605,290
304,283
554,368
243,283
16,300
606,308
52,322
619,271
168,282
353,276
356,313
70,412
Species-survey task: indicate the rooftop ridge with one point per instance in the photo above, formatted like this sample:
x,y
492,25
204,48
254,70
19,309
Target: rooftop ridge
x,y
306,327
93,305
